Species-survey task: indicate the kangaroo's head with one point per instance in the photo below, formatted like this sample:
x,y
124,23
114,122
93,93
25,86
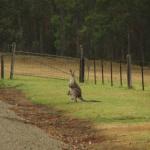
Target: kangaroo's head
x,y
72,73
72,76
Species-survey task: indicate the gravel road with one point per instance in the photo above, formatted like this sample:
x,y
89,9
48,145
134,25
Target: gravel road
x,y
16,135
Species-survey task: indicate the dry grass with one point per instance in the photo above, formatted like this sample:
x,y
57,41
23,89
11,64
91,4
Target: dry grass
x,y
59,68
42,66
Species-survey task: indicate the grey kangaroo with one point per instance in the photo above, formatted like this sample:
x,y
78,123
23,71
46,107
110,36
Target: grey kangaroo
x,y
74,89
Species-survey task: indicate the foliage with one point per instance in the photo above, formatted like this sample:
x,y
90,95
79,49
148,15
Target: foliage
x,y
60,26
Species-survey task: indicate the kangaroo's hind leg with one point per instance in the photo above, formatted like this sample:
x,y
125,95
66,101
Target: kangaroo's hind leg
x,y
73,95
81,98
74,98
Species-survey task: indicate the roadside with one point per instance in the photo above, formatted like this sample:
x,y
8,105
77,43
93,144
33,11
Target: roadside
x,y
17,135
77,134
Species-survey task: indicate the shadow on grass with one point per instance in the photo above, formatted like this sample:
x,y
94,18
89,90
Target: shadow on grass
x,y
92,101
86,101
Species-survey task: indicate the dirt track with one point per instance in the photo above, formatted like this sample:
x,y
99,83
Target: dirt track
x,y
17,135
78,134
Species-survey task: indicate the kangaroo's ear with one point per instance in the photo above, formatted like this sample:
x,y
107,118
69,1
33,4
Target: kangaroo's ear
x,y
70,71
73,73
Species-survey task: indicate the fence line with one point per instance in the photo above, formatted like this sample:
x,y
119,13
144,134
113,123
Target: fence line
x,y
96,70
45,55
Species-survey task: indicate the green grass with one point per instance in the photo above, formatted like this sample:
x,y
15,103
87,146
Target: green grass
x,y
116,105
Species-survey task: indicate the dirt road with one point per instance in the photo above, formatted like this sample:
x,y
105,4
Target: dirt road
x,y
75,133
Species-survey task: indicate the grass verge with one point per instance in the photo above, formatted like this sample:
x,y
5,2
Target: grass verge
x,y
115,105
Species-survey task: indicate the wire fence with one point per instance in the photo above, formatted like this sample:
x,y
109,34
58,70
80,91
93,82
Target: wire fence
x,y
115,73
107,72
34,64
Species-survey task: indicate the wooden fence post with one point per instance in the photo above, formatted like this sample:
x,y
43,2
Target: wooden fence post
x,y
129,73
88,70
121,73
142,73
82,65
102,67
2,67
111,71
12,60
94,62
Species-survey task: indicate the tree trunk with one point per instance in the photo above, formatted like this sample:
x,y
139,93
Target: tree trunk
x,y
41,38
62,36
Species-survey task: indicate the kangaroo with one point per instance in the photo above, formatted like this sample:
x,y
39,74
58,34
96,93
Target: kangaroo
x,y
74,88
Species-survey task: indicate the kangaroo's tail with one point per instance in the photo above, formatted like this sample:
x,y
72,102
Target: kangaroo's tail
x,y
82,99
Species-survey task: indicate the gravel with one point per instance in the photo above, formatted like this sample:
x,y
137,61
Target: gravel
x,y
16,135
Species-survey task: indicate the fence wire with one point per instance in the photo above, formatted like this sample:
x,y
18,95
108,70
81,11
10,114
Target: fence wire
x,y
51,66
43,65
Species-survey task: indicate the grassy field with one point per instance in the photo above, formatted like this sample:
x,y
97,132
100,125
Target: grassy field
x,y
122,116
115,105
